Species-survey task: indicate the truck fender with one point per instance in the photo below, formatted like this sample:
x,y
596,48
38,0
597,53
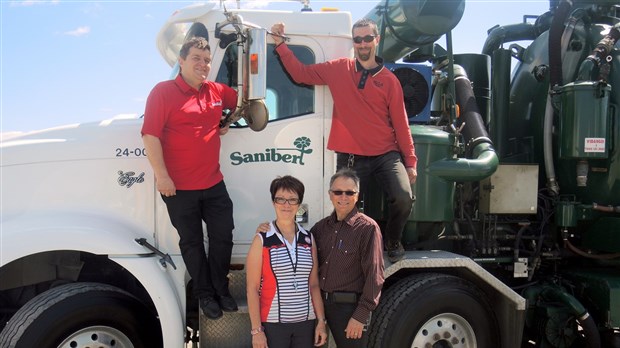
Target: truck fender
x,y
508,305
159,285
29,234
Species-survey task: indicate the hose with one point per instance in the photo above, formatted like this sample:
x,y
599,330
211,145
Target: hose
x,y
552,183
555,79
508,33
606,208
483,165
592,337
556,294
481,161
555,42
518,241
580,252
474,132
598,54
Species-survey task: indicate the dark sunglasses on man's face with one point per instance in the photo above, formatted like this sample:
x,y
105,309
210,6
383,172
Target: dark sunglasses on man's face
x,y
367,38
339,192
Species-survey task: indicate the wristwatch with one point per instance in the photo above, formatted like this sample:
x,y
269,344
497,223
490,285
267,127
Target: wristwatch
x,y
257,330
323,320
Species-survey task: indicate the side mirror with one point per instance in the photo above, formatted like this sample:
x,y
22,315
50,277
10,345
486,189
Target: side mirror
x,y
257,115
252,79
256,64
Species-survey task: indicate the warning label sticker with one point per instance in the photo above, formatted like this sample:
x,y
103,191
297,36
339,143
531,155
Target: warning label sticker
x,y
594,145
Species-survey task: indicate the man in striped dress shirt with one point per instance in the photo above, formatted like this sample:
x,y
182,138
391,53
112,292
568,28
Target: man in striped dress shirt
x,y
350,256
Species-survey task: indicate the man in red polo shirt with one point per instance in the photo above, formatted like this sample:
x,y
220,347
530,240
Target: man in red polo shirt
x,y
370,129
181,135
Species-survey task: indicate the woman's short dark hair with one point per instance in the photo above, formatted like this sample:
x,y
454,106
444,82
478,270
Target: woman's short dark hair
x,y
287,183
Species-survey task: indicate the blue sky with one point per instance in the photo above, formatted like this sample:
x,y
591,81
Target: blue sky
x,y
65,62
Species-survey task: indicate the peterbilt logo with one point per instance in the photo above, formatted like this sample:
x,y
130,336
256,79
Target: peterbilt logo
x,y
129,178
294,155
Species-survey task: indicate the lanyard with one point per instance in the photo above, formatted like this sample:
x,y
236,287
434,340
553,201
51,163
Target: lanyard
x,y
294,265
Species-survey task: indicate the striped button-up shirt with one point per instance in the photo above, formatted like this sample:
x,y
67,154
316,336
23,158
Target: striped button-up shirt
x,y
351,258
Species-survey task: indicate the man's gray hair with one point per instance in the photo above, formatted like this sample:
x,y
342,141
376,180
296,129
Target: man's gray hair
x,y
346,173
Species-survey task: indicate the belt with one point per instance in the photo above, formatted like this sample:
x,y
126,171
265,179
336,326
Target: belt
x,y
359,156
352,157
340,297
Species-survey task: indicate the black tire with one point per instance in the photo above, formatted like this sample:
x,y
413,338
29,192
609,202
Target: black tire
x,y
433,310
82,315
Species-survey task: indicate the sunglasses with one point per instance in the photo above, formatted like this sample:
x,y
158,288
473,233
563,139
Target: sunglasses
x,y
367,39
339,192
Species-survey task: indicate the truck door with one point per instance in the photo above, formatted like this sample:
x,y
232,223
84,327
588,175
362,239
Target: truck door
x,y
293,143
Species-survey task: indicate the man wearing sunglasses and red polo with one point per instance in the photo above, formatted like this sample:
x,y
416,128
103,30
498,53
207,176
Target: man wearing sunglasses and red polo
x,y
370,129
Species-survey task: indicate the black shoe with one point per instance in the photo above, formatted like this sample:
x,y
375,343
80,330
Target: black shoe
x,y
228,304
395,251
210,308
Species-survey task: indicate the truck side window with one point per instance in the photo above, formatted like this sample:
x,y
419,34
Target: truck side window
x,y
285,98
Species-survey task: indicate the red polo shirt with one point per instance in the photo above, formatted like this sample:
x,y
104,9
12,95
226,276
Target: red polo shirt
x,y
186,121
369,121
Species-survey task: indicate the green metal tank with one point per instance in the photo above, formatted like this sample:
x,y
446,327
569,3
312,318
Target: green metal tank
x,y
586,131
435,196
584,120
409,24
584,111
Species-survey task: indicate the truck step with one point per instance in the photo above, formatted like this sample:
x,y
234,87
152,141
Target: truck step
x,y
233,329
236,285
230,331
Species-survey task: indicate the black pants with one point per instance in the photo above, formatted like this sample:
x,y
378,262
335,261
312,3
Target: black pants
x,y
187,210
290,335
390,173
338,315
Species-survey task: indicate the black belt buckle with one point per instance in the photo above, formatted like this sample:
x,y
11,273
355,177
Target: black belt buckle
x,y
342,297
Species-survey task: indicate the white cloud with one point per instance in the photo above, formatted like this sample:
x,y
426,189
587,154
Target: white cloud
x,y
80,31
34,2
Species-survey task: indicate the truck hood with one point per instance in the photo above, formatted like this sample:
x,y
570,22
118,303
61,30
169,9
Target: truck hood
x,y
81,141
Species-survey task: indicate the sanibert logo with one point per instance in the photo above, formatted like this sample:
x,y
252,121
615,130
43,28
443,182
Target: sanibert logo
x,y
301,148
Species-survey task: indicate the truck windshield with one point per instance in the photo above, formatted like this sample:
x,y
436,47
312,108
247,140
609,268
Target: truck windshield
x,y
285,98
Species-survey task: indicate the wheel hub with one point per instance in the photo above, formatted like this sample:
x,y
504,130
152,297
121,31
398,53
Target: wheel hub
x,y
102,336
446,330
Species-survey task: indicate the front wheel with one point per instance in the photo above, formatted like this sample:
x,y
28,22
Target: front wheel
x,y
82,315
433,310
